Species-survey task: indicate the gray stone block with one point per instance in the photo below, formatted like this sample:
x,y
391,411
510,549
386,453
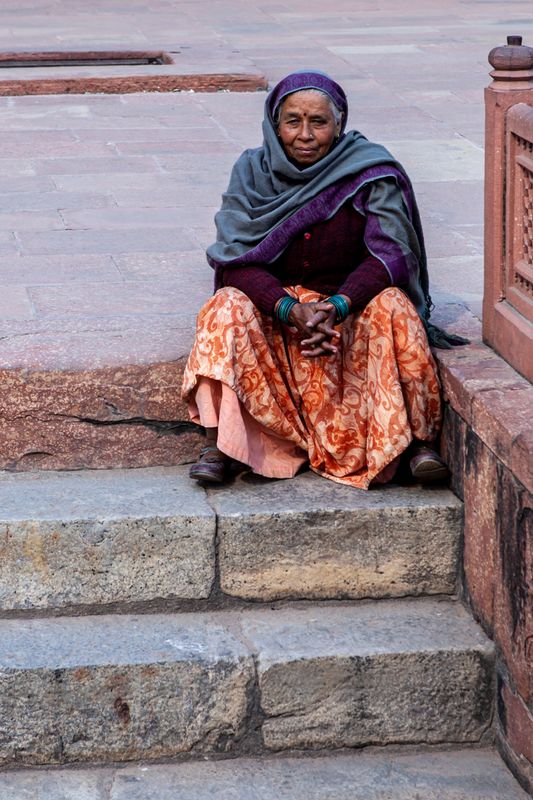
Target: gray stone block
x,y
451,775
378,673
312,538
46,784
113,536
119,688
437,776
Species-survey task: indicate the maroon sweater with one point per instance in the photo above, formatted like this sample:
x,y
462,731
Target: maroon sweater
x,y
330,257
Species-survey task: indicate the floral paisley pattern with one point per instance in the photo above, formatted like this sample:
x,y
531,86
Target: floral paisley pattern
x,y
351,414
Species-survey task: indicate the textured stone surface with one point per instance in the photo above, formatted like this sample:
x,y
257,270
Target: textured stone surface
x,y
498,554
119,688
115,536
310,537
513,613
500,417
389,671
472,371
516,721
453,775
170,81
490,396
481,526
129,416
453,440
515,733
87,784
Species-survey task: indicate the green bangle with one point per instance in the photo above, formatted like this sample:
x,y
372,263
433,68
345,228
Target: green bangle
x,y
341,306
284,308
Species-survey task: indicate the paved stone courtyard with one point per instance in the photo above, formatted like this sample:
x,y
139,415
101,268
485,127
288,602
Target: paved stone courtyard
x,y
107,201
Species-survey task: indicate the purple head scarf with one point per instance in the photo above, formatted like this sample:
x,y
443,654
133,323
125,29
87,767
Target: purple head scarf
x,y
299,81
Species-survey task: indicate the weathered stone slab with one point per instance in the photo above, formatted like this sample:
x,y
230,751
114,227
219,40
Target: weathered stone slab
x,y
475,775
312,538
99,418
451,775
119,687
117,536
481,526
54,784
377,673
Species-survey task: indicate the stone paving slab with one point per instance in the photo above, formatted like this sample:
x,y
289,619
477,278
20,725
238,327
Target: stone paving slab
x,y
126,687
86,539
119,688
331,679
311,538
432,775
382,57
92,538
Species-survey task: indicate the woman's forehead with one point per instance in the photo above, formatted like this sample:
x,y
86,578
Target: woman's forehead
x,y
306,101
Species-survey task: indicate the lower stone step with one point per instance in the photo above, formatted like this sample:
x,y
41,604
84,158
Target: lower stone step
x,y
71,540
119,688
451,775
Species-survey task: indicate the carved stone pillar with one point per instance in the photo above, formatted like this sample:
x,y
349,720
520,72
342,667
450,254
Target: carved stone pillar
x,y
508,292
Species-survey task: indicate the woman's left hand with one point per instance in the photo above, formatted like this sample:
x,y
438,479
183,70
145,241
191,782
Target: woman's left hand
x,y
315,321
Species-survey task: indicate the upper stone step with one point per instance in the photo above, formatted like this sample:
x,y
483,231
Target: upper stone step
x,y
451,775
119,688
112,538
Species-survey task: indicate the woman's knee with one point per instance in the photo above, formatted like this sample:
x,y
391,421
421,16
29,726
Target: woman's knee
x,y
392,298
232,294
227,298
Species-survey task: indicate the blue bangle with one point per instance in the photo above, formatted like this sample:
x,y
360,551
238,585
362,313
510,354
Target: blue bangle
x,y
341,306
284,308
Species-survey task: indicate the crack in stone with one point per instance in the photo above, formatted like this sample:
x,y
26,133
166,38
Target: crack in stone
x,y
163,427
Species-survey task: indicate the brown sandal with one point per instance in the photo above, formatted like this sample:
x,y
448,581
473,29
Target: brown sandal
x,y
427,466
211,467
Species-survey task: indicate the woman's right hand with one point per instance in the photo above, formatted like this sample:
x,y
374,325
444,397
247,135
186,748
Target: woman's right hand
x,y
315,324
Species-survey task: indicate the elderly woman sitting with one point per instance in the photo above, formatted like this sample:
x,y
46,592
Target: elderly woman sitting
x,y
315,348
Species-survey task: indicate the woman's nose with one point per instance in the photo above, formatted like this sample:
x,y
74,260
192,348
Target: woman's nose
x,y
305,131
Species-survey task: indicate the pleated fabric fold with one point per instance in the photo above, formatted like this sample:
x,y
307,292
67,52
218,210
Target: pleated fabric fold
x,y
351,415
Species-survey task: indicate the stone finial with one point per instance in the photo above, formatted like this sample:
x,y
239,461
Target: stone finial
x,y
512,61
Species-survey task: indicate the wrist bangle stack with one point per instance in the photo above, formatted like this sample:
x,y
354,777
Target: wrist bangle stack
x,y
341,306
284,307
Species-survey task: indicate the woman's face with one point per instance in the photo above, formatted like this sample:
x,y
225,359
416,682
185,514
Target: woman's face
x,y
307,127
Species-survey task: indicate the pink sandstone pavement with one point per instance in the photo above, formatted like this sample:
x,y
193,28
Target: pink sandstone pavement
x,y
107,199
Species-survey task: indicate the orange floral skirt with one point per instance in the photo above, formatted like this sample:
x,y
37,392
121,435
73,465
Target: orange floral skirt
x,y
351,414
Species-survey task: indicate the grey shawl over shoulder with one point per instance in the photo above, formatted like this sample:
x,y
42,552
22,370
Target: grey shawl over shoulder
x,y
270,199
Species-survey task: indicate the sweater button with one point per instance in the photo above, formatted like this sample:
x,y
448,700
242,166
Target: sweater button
x,y
307,235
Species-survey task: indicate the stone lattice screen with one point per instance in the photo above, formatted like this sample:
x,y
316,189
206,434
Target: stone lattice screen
x,y
511,329
519,223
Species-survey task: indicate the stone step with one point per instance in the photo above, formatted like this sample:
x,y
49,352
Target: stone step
x,y
121,687
103,540
434,775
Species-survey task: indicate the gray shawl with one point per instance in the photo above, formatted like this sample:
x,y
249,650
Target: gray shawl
x,y
270,199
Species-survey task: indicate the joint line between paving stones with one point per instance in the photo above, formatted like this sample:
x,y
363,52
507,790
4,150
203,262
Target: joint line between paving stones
x,y
251,740
215,586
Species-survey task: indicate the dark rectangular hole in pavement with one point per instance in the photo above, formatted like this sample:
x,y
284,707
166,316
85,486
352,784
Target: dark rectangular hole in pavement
x,y
82,59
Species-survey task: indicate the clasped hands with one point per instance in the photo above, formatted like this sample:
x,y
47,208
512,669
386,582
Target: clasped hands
x,y
315,324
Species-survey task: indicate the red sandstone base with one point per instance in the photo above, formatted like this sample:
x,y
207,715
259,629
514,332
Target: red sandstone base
x,y
129,416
